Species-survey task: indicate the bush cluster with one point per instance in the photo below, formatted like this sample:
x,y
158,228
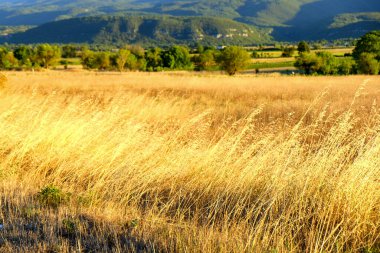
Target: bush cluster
x,y
325,63
231,59
28,57
365,59
130,58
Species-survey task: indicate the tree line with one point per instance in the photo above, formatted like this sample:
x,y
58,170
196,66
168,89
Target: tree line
x,y
365,58
134,58
130,58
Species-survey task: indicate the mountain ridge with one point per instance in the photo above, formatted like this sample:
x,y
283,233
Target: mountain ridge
x,y
290,20
146,30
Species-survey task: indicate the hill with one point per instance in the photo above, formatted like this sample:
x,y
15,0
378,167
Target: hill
x,y
289,19
316,20
146,30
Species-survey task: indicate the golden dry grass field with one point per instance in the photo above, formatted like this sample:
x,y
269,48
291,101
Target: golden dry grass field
x,y
137,162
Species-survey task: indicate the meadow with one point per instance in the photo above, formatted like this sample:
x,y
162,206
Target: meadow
x,y
185,162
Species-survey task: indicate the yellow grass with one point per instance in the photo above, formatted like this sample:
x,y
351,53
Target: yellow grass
x,y
272,60
275,56
184,163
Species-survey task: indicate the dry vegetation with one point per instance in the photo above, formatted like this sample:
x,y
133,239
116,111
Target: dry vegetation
x,y
183,163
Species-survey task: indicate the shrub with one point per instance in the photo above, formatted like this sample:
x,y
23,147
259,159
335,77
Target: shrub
x,y
369,43
303,47
204,60
69,227
233,59
368,64
324,63
288,52
346,66
47,54
52,196
255,54
26,56
308,62
69,51
177,57
88,59
8,61
103,61
153,59
328,64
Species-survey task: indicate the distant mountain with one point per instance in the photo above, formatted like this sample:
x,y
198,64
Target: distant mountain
x,y
316,19
148,30
290,19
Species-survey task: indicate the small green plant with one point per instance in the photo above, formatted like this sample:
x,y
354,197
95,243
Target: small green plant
x,y
132,224
30,212
52,196
69,227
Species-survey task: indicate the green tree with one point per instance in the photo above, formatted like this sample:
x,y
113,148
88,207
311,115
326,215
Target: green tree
x,y
25,55
200,49
88,59
177,57
346,66
324,63
204,60
132,62
303,47
368,64
137,50
369,43
153,59
122,58
48,54
288,52
69,51
103,60
328,64
255,54
7,59
308,62
233,59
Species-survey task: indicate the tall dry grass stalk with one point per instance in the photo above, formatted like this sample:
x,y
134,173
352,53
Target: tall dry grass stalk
x,y
191,163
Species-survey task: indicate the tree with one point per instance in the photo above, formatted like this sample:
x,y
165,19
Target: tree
x,y
204,60
288,52
48,55
324,63
122,58
328,64
153,59
103,61
132,62
177,57
88,59
25,55
308,62
96,60
346,66
69,51
233,59
303,47
200,49
368,64
369,43
7,59
255,54
137,50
